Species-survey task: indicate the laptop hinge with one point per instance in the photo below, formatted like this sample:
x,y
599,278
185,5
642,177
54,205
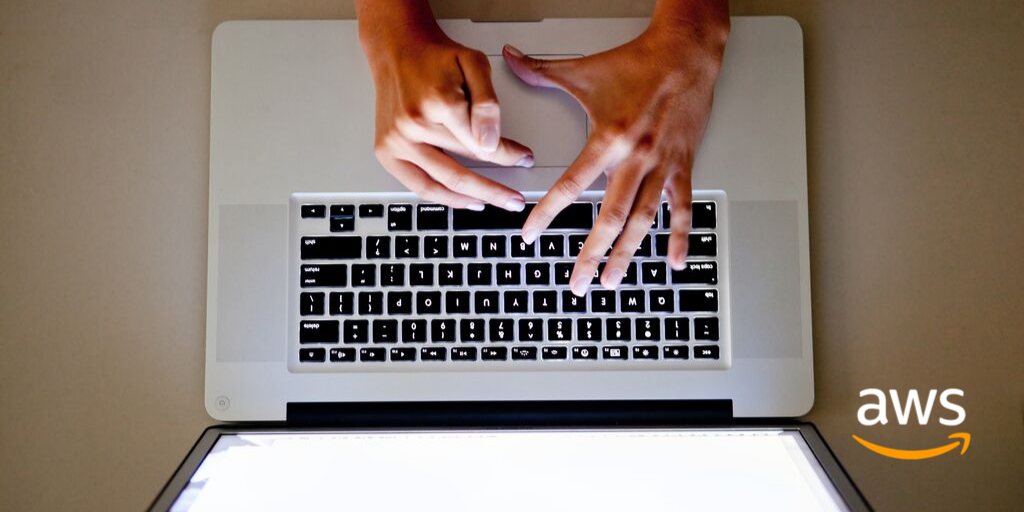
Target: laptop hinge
x,y
508,413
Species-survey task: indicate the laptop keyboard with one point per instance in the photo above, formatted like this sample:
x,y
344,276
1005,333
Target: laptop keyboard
x,y
383,281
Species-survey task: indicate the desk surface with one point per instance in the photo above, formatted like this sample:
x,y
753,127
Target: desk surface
x,y
915,148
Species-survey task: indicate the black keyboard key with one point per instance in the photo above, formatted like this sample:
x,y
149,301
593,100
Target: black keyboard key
x,y
574,216
705,329
312,355
485,302
311,304
385,331
313,211
697,272
677,328
703,245
371,210
631,274
421,274
500,329
399,303
331,247
494,353
704,215
573,304
661,244
554,352
709,352
428,303
431,217
559,329
619,329
342,224
563,271
414,331
342,303
399,217
666,216
521,249
524,353
373,354
616,352
403,354
602,301
517,302
324,275
662,301
698,300
364,275
357,331
552,246
318,331
343,210
442,330
407,247
654,272
493,246
545,301
456,303
531,329
471,330
538,274
576,244
588,329
378,247
584,353
342,355
675,352
464,246
479,274
645,352
645,247
633,301
392,274
435,247
449,274
464,354
508,274
648,329
433,354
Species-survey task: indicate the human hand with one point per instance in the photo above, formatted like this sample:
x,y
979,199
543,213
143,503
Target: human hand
x,y
434,94
648,102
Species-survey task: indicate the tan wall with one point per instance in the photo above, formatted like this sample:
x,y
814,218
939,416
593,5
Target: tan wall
x,y
916,183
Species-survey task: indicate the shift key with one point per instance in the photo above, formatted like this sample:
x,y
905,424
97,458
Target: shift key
x,y
331,247
575,216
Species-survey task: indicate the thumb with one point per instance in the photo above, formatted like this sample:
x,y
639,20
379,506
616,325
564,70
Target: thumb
x,y
539,72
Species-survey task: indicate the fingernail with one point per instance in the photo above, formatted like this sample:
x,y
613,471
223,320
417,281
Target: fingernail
x,y
526,161
613,279
579,286
489,138
530,235
678,264
476,207
513,50
515,205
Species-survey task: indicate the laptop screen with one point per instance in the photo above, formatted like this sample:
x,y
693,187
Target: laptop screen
x,y
512,470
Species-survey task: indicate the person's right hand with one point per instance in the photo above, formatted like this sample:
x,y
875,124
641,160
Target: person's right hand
x,y
434,94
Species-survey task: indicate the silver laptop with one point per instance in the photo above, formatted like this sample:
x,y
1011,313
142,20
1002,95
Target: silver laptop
x,y
330,284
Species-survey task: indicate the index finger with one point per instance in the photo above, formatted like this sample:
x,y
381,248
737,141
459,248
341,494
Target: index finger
x,y
595,157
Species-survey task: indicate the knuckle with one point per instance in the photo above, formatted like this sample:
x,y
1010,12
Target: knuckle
x,y
589,259
570,187
616,215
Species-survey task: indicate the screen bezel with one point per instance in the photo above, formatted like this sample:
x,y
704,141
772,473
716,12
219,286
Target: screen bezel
x,y
831,466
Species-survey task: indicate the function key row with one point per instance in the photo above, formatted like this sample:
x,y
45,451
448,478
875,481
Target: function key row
x,y
500,353
479,246
435,217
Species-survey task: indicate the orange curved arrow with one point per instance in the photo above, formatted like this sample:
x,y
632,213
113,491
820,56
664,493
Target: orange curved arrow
x,y
917,454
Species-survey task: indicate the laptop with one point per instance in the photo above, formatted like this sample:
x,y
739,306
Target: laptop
x,y
347,316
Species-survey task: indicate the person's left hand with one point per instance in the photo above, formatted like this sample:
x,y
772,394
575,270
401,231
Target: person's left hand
x,y
648,101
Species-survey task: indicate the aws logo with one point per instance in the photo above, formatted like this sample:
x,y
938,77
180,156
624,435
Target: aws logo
x,y
903,412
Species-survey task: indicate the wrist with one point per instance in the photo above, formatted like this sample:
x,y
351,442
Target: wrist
x,y
689,23
386,24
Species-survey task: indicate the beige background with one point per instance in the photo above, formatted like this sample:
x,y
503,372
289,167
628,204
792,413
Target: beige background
x,y
915,139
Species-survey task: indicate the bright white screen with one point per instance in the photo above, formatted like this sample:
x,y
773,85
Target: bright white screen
x,y
512,470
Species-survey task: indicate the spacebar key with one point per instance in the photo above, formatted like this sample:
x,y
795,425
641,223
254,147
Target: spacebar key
x,y
574,216
331,247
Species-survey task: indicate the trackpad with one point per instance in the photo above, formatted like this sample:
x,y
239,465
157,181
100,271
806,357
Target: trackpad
x,y
548,121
